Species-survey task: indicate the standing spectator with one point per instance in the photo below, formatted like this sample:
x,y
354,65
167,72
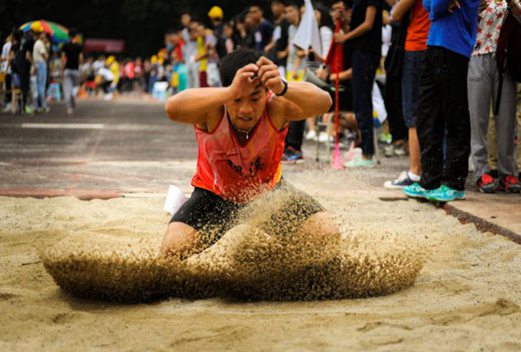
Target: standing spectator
x,y
295,71
72,54
414,57
229,37
138,72
277,49
243,35
347,118
443,112
365,38
5,68
23,63
216,16
40,57
325,26
483,80
295,63
393,66
190,35
147,75
263,28
15,77
202,53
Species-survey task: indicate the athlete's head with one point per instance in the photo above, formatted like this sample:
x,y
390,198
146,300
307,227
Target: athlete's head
x,y
246,111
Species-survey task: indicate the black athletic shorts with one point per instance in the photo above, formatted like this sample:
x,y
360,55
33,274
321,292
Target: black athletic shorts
x,y
278,212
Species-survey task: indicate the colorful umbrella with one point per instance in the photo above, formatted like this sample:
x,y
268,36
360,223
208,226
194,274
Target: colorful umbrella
x,y
58,33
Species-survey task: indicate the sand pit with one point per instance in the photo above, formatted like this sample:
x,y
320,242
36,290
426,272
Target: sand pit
x,y
466,297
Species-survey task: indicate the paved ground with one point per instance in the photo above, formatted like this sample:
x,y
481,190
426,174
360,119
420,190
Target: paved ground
x,y
129,147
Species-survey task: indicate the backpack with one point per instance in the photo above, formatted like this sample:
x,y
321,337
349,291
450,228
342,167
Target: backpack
x,y
508,53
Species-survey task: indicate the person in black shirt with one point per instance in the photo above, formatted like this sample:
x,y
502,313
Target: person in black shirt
x,y
72,53
277,49
22,64
365,37
263,28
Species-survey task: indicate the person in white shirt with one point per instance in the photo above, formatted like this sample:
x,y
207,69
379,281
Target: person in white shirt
x,y
40,57
107,82
5,67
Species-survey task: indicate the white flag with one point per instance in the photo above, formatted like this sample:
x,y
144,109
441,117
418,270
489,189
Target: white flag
x,y
308,34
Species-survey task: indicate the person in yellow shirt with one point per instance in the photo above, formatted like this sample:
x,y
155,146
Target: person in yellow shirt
x,y
113,66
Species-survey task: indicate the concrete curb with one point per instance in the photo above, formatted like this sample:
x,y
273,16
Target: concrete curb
x,y
481,224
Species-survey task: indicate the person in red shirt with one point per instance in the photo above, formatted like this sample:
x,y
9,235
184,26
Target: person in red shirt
x,y
240,130
413,60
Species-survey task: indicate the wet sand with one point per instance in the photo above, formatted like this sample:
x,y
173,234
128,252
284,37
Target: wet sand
x,y
467,296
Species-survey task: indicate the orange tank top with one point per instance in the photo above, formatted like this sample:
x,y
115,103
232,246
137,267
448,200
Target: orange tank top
x,y
236,172
418,30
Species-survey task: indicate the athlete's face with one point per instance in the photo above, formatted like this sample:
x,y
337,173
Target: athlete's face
x,y
247,111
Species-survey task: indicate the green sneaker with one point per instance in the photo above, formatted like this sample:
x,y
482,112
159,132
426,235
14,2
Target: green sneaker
x,y
358,161
445,194
416,191
29,110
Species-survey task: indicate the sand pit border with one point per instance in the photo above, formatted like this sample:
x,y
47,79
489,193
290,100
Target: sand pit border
x,y
481,224
90,194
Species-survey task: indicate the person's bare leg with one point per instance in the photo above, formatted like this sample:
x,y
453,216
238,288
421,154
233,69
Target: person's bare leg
x,y
181,241
312,123
414,151
318,239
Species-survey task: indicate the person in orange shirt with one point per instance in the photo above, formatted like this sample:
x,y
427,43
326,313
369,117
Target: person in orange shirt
x,y
240,130
414,56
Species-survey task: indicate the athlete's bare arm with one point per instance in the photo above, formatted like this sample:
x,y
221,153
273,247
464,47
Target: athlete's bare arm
x,y
300,101
197,106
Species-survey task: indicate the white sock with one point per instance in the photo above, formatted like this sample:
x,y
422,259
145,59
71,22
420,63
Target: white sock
x,y
413,177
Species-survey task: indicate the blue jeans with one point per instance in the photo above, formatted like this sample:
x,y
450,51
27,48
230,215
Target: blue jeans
x,y
71,81
412,71
41,82
364,71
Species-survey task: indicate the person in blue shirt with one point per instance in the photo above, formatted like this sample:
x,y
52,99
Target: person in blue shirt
x,y
443,115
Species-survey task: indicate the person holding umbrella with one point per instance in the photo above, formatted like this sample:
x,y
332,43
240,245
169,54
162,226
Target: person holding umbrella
x,y
72,55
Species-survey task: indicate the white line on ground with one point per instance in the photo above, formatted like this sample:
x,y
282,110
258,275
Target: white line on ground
x,y
72,126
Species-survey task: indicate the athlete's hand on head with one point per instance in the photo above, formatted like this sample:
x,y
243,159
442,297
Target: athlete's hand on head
x,y
269,75
245,82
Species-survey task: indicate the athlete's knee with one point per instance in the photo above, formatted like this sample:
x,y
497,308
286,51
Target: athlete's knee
x,y
180,240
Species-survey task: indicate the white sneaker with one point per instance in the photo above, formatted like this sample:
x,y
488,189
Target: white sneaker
x,y
8,108
108,96
399,151
70,111
311,135
389,151
353,152
323,137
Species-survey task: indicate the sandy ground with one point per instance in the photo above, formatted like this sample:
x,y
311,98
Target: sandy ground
x,y
467,297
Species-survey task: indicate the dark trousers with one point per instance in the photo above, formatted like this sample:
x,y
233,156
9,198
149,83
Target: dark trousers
x,y
364,71
443,108
393,105
8,93
25,85
295,134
